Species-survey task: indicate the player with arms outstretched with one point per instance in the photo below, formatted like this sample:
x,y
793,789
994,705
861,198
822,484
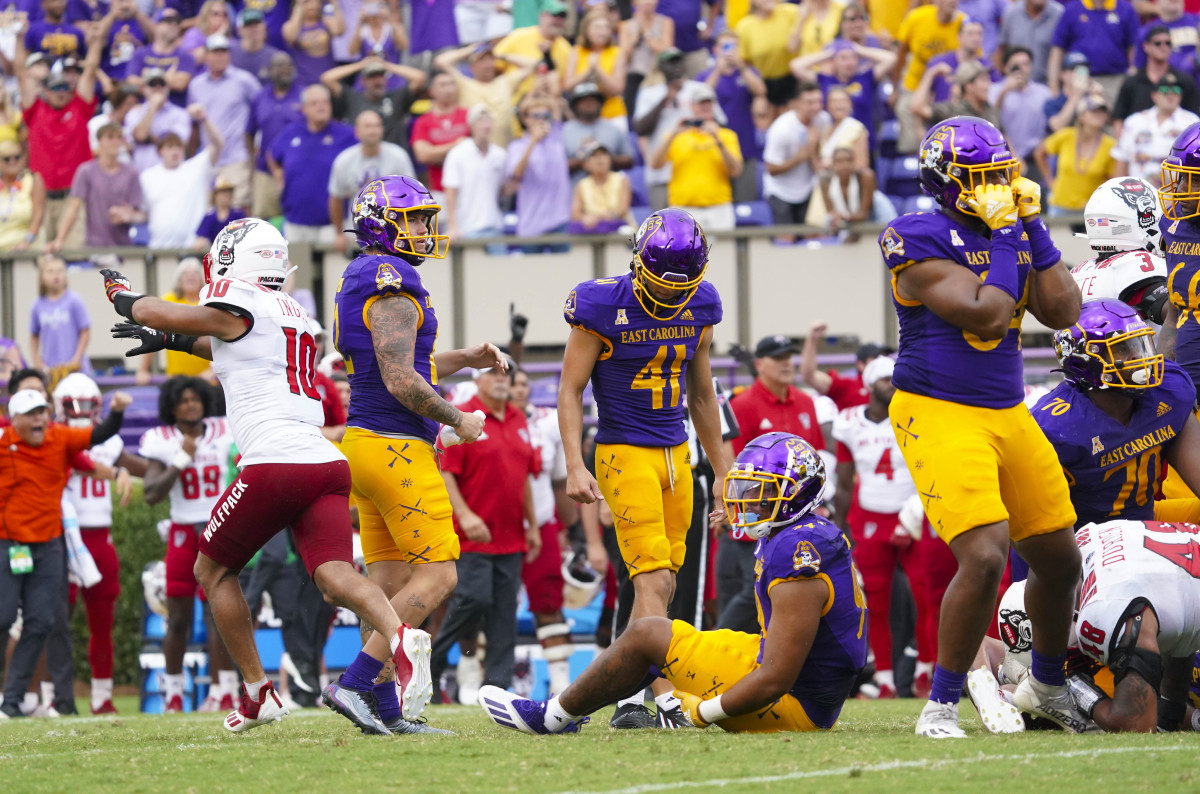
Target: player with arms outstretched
x,y
794,675
962,279
262,348
643,340
385,327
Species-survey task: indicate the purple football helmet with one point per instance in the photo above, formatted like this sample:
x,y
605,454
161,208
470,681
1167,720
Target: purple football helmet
x,y
670,255
1111,347
777,479
961,154
383,213
1180,191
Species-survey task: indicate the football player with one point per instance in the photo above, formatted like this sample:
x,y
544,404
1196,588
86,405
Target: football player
x,y
262,348
793,676
643,340
77,403
962,279
188,458
1120,415
385,327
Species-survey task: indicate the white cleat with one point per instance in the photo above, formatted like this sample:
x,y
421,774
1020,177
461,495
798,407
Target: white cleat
x,y
412,672
996,713
252,713
939,721
1053,703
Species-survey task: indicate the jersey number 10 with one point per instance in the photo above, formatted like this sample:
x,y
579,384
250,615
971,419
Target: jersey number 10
x,y
653,377
301,363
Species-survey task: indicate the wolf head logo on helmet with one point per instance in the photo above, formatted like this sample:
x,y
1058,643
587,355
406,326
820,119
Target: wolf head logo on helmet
x,y
1139,197
249,249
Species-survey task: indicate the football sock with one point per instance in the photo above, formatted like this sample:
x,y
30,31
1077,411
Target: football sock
x,y
29,703
633,700
101,691
47,693
173,684
884,678
1048,670
947,686
394,643
556,717
253,690
361,673
560,676
666,702
229,682
389,703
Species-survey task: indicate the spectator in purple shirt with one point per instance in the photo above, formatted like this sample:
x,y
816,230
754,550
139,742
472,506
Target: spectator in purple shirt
x,y
988,13
300,158
738,86
108,192
538,173
689,38
1184,36
275,15
309,35
250,52
213,20
52,35
227,93
276,106
154,118
970,43
164,53
131,29
855,68
432,27
222,213
59,325
1105,35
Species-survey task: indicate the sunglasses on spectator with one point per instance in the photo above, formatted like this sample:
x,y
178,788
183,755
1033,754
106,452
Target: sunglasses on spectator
x,y
10,158
540,116
560,15
1170,89
1160,43
849,18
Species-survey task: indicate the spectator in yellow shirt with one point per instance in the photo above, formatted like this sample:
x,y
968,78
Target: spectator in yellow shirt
x,y
597,59
486,85
886,16
1084,158
542,42
817,26
925,32
189,280
705,159
764,42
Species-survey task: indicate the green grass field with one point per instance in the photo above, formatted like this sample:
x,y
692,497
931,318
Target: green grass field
x,y
873,749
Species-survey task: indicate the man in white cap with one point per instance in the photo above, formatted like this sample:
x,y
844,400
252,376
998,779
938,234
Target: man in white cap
x,y
36,465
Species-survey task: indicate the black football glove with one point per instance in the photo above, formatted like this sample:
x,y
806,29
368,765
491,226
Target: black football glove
x,y
119,290
151,340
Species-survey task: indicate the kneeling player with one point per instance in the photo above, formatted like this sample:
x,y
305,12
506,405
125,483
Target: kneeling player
x,y
796,675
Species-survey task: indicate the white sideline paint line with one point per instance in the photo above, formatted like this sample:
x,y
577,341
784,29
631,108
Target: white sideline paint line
x,y
883,767
194,716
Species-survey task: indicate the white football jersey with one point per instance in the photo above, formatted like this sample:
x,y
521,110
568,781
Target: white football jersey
x,y
1108,279
884,483
267,375
1125,561
92,497
195,492
543,433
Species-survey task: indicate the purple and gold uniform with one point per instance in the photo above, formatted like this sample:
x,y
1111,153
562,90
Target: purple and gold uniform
x,y
1114,469
642,463
975,454
1181,242
707,663
404,511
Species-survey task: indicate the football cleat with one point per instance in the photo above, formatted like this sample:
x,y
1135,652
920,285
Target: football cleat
x,y
106,707
45,711
922,686
252,713
632,716
672,719
412,672
469,676
996,713
357,706
215,703
519,714
174,705
1053,703
887,693
400,726
939,721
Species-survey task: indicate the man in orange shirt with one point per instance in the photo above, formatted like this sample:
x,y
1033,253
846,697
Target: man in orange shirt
x,y
35,464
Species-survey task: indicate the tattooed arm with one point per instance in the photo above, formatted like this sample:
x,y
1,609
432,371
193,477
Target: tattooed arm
x,y
393,322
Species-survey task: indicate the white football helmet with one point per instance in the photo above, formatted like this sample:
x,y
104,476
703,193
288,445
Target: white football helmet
x,y
77,400
1138,278
154,586
581,582
1123,215
249,249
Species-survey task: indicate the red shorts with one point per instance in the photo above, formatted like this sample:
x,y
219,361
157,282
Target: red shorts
x,y
181,561
311,498
543,577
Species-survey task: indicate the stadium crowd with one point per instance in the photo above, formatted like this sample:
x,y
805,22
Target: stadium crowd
x,y
143,124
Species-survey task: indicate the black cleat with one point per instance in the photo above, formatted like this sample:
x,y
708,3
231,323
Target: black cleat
x,y
357,706
672,719
400,726
632,716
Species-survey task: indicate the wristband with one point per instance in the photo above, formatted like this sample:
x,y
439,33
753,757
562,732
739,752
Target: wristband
x,y
710,710
123,302
181,460
1045,253
1003,272
1085,694
180,342
117,472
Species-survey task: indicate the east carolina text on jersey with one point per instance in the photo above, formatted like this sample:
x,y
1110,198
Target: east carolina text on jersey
x,y
1181,241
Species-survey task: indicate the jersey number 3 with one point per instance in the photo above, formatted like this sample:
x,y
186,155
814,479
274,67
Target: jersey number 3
x,y
301,363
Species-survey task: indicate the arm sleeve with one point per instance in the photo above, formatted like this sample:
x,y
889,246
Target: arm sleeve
x,y
103,431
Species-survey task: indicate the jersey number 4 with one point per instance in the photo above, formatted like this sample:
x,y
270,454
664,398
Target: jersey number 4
x,y
301,363
655,378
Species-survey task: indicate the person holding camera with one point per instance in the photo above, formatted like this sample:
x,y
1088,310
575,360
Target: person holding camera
x,y
705,159
1020,102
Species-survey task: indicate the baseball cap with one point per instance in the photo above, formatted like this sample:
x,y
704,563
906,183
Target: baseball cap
x,y
166,15
772,346
223,183
154,75
584,90
250,16
476,112
591,147
703,92
1094,102
554,7
374,68
869,350
879,368
1168,80
24,401
670,54
216,42
1073,59
72,63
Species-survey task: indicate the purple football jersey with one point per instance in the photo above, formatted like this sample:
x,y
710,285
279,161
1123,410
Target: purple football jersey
x,y
1181,241
810,548
372,406
1114,470
639,379
938,359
